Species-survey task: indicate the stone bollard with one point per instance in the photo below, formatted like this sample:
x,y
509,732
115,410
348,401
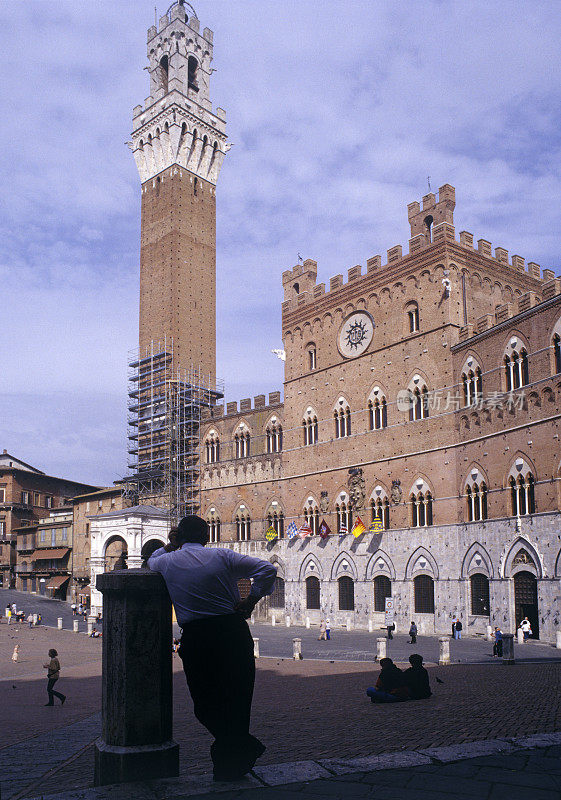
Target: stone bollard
x,y
444,651
256,647
136,742
287,620
75,625
520,636
370,626
558,640
381,647
91,621
348,623
252,619
508,648
59,623
273,621
308,623
297,649
35,619
489,633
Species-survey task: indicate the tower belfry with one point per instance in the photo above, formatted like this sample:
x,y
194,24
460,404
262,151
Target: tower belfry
x,y
178,144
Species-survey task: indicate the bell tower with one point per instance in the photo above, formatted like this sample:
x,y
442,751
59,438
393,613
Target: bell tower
x,y
179,143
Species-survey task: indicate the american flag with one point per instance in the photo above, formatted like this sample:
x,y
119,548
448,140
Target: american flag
x,y
291,531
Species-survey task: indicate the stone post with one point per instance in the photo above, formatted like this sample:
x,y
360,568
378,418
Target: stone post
x,y
381,647
308,623
489,633
508,648
256,647
520,636
91,621
558,640
59,623
75,625
252,619
273,621
348,623
136,742
444,651
297,649
370,626
287,621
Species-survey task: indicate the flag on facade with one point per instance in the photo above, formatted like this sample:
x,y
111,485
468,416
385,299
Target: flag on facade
x,y
358,528
271,534
343,530
324,529
291,531
304,530
377,525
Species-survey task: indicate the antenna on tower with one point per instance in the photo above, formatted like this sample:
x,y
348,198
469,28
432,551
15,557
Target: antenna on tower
x,y
155,16
300,259
428,181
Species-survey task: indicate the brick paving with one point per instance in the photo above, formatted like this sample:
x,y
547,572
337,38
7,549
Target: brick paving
x,y
302,710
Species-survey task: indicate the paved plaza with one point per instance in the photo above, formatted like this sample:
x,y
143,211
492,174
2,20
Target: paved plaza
x,y
308,711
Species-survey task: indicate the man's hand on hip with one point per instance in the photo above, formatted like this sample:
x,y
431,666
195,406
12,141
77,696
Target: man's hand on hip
x,y
245,607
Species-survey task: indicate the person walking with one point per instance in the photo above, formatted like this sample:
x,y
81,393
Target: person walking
x,y
53,674
30,620
412,633
15,654
216,644
526,628
327,629
9,614
322,631
457,629
390,628
73,607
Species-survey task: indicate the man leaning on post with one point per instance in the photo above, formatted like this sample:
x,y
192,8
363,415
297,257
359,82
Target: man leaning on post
x,y
216,644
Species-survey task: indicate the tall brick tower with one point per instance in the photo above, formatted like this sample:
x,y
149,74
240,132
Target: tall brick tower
x,y
179,144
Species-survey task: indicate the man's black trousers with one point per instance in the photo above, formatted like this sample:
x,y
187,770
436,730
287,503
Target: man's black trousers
x,y
217,655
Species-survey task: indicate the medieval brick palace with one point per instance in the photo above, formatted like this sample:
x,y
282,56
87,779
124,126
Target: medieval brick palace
x,y
421,398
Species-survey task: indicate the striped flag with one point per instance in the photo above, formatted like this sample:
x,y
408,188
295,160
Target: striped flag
x,y
343,530
358,528
304,530
377,525
271,534
291,531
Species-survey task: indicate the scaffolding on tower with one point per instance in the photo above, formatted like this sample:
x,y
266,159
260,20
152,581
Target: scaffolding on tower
x,y
165,408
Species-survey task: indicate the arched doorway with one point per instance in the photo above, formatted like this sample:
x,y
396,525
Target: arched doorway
x,y
116,553
526,600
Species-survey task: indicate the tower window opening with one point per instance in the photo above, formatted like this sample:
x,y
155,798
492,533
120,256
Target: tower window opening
x,y
164,71
192,67
557,353
296,288
195,187
428,227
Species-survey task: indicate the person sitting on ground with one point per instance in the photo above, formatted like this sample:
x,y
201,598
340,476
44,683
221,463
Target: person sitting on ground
x,y
95,633
390,686
417,678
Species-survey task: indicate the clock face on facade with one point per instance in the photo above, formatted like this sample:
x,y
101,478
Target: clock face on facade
x,y
355,334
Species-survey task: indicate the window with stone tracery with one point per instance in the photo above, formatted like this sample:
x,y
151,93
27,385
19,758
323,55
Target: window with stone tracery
x,y
212,447
476,497
377,413
275,519
310,429
344,515
342,416
421,509
213,528
273,437
516,367
472,385
380,511
241,444
243,526
311,515
522,496
419,403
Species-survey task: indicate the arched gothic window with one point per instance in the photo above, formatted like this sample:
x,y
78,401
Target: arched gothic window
x,y
377,413
344,516
479,586
521,482
274,438
213,528
311,514
413,317
241,444
310,428
312,357
421,509
472,385
424,594
275,519
419,403
346,593
192,66
243,525
380,510
277,595
382,589
476,498
212,447
342,417
557,352
516,369
313,596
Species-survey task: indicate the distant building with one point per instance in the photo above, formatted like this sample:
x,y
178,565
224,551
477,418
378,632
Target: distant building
x,y
26,496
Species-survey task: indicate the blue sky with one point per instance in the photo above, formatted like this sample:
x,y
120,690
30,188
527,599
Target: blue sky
x,y
338,112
